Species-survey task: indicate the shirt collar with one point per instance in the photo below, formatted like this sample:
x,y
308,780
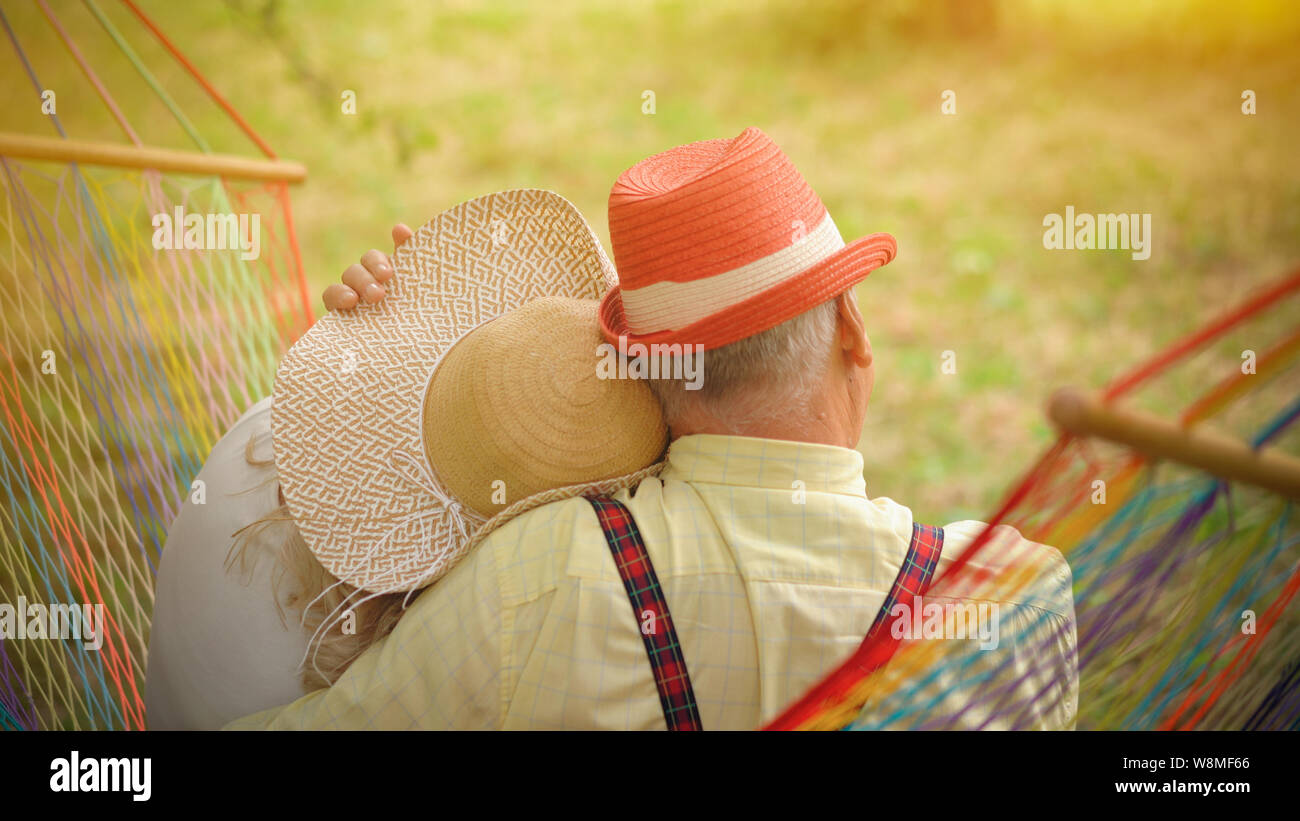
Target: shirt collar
x,y
746,461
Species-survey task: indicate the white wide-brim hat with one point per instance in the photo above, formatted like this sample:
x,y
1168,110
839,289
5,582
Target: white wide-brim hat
x,y
359,396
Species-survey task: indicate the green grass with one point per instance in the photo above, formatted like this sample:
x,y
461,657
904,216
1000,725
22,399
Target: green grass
x,y
1109,106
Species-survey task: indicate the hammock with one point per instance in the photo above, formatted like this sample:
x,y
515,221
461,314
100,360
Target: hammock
x,y
120,365
1185,570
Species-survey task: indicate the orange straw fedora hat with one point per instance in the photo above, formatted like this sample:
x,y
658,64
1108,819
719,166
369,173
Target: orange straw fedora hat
x,y
719,240
406,431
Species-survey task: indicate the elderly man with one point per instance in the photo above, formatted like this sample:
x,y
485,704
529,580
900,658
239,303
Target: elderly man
x,y
756,561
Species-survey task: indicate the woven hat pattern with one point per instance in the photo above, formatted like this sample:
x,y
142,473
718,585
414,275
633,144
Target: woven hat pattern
x,y
346,418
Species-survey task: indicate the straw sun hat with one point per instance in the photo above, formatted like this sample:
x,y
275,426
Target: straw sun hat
x,y
408,430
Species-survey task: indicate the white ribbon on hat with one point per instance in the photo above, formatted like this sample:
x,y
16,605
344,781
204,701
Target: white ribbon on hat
x,y
465,521
418,472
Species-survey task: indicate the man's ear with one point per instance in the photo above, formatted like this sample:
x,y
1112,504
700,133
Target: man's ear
x,y
853,331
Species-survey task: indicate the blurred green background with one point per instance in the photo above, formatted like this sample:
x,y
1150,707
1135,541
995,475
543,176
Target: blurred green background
x,y
1108,105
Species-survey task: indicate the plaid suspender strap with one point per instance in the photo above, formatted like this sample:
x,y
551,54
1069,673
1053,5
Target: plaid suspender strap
x,y
917,570
650,609
676,695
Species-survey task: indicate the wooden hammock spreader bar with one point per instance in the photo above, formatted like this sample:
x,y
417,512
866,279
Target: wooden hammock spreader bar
x,y
1081,414
161,159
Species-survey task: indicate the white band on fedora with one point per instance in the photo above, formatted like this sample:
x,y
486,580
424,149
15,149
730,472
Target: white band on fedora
x,y
669,305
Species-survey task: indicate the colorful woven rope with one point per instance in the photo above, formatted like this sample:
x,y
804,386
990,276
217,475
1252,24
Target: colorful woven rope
x,y
1184,587
120,365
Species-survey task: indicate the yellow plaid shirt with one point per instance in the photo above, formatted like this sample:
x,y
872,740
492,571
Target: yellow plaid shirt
x,y
773,561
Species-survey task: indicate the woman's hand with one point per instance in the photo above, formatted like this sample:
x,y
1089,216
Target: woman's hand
x,y
363,281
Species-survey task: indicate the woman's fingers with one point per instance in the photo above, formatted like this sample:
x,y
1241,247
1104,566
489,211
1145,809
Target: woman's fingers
x,y
363,282
359,279
340,298
378,264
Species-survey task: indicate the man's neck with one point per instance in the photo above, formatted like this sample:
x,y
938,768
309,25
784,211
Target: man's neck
x,y
821,423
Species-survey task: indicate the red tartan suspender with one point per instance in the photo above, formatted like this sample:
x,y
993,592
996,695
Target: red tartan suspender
x,y
676,695
917,570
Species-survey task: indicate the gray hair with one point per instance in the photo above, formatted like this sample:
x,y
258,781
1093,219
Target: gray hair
x,y
759,377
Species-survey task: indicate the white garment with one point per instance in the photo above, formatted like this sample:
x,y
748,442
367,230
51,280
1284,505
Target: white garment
x,y
219,647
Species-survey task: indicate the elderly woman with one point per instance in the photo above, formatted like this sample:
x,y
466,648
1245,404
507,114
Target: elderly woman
x,y
403,429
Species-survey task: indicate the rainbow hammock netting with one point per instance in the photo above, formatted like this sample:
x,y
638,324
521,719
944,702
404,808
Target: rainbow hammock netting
x,y
1183,583
120,365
